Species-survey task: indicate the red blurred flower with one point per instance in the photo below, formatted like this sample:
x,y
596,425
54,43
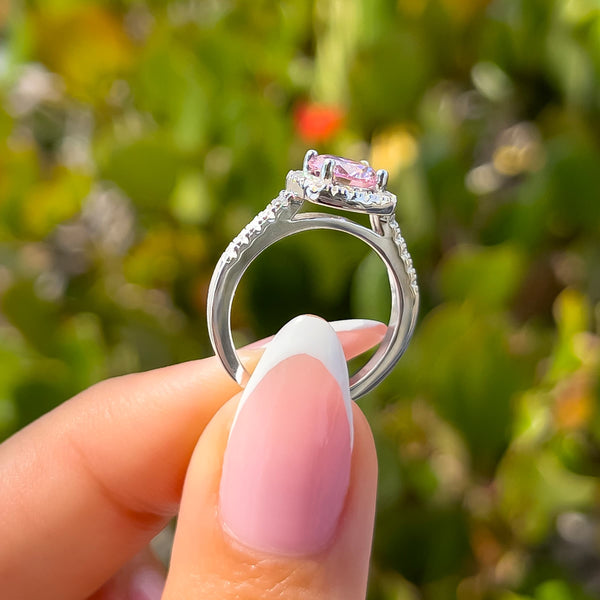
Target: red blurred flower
x,y
318,122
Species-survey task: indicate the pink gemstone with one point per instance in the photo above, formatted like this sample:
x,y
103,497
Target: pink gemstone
x,y
347,172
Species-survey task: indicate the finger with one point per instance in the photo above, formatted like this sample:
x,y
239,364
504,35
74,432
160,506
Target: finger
x,y
88,485
142,578
279,498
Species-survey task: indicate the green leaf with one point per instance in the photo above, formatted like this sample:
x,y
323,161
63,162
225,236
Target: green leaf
x,y
485,276
464,365
145,170
534,487
191,201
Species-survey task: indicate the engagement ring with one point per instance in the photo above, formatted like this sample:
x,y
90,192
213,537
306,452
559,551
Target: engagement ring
x,y
339,183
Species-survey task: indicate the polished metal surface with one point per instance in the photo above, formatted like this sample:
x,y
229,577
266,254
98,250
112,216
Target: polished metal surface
x,y
282,218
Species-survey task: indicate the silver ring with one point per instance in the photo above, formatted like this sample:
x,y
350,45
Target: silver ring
x,y
343,184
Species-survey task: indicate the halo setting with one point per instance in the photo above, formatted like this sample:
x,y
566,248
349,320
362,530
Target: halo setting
x,y
342,183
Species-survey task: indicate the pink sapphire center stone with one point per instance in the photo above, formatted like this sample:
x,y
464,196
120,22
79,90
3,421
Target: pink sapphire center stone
x,y
346,172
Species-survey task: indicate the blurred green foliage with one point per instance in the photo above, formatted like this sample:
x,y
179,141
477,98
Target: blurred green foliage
x,y
140,137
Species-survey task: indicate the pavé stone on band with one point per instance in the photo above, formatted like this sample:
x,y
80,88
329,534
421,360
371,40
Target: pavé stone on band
x,y
349,186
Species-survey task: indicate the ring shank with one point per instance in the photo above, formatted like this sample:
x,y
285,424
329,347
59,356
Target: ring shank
x,y
230,269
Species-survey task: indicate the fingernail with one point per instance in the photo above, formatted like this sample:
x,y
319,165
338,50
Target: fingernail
x,y
356,325
355,332
146,584
344,327
286,467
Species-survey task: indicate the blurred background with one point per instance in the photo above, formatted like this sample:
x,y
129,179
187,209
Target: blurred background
x,y
139,137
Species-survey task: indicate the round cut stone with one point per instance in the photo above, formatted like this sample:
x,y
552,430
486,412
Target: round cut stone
x,y
346,172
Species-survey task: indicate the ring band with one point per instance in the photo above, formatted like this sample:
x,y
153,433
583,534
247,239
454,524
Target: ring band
x,y
347,185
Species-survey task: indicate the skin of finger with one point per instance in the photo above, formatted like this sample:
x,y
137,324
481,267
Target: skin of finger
x,y
208,564
108,466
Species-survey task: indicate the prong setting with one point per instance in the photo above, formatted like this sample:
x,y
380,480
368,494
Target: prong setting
x,y
309,154
327,170
341,183
382,179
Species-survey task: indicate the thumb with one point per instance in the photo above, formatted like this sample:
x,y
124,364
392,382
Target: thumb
x,y
279,498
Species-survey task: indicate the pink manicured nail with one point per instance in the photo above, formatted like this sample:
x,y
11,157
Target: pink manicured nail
x,y
287,464
146,584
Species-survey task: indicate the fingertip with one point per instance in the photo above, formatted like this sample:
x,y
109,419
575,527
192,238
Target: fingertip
x,y
220,552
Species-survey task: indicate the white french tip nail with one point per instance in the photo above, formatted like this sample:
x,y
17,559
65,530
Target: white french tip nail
x,y
338,327
309,335
354,324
